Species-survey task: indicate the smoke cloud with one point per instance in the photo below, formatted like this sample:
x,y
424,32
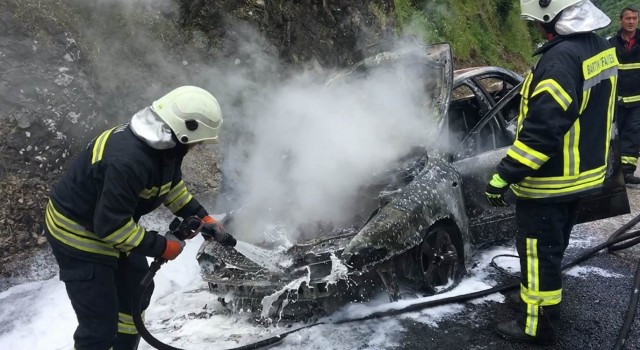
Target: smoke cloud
x,y
299,150
296,149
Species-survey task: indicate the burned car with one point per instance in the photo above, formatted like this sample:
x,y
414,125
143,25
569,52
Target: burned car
x,y
425,219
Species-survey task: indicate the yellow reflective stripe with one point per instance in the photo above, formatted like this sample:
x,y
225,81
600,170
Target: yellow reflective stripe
x,y
586,95
68,224
629,160
531,323
524,102
599,68
178,189
132,241
560,181
541,298
155,191
527,155
178,197
524,192
570,151
180,202
610,115
533,284
126,237
125,324
98,146
628,66
555,90
81,240
165,188
125,318
599,63
630,99
534,299
148,193
532,264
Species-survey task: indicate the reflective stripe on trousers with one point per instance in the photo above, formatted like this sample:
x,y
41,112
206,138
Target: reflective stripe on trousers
x,y
543,235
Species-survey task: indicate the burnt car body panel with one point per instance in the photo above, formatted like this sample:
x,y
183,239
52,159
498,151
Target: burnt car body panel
x,y
429,215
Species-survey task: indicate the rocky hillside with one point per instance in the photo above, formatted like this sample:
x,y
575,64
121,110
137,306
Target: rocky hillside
x,y
72,67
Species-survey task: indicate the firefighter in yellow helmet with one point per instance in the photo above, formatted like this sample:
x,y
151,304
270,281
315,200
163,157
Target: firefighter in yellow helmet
x,y
560,153
93,212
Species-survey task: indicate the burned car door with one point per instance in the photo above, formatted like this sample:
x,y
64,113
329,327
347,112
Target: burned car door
x,y
480,150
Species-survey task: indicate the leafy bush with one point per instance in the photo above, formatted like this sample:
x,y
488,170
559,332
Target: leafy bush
x,y
481,32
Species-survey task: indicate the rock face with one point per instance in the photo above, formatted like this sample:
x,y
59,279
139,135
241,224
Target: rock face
x,y
70,68
333,32
46,108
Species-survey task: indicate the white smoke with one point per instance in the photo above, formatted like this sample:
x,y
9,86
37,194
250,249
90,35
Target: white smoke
x,y
296,150
308,147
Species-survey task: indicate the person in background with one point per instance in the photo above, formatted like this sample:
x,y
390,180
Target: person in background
x,y
560,153
628,116
93,212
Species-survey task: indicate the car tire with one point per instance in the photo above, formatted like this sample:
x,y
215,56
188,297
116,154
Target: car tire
x,y
439,259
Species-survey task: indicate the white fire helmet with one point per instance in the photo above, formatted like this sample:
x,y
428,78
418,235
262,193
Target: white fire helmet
x,y
192,113
543,10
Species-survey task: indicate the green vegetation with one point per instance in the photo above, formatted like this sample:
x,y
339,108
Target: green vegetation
x,y
484,32
481,32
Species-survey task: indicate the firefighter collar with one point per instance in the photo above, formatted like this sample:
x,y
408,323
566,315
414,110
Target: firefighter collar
x,y
581,17
151,129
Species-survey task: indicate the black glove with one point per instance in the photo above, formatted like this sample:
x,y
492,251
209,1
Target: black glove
x,y
496,188
228,240
213,229
185,229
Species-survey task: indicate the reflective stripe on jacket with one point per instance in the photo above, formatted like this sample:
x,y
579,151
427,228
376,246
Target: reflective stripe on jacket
x,y
94,208
628,83
564,125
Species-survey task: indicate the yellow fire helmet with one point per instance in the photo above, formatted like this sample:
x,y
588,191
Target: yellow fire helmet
x,y
192,113
543,10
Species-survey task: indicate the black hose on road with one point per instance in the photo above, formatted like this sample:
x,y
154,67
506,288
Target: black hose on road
x,y
612,244
136,308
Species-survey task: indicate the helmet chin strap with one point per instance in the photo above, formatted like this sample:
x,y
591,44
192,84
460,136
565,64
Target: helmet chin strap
x,y
180,149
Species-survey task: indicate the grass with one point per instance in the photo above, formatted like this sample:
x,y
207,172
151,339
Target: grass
x,y
487,32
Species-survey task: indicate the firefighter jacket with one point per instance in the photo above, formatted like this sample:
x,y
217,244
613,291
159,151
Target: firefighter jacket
x,y
94,209
629,69
564,125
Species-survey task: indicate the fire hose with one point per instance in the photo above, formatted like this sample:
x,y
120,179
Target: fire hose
x,y
620,239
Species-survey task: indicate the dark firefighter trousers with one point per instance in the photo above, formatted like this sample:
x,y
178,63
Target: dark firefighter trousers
x,y
543,236
628,122
101,297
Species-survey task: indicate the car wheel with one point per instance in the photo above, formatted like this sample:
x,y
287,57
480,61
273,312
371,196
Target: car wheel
x,y
439,260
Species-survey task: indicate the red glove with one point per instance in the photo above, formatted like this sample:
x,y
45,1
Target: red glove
x,y
213,229
173,247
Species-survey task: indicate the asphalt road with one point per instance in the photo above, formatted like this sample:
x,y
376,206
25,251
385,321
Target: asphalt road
x,y
593,307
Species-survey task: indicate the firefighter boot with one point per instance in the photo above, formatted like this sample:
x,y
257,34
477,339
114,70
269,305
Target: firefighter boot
x,y
126,341
514,331
629,177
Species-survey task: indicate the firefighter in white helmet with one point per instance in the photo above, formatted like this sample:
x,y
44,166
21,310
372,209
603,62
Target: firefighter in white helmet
x,y
93,212
559,155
